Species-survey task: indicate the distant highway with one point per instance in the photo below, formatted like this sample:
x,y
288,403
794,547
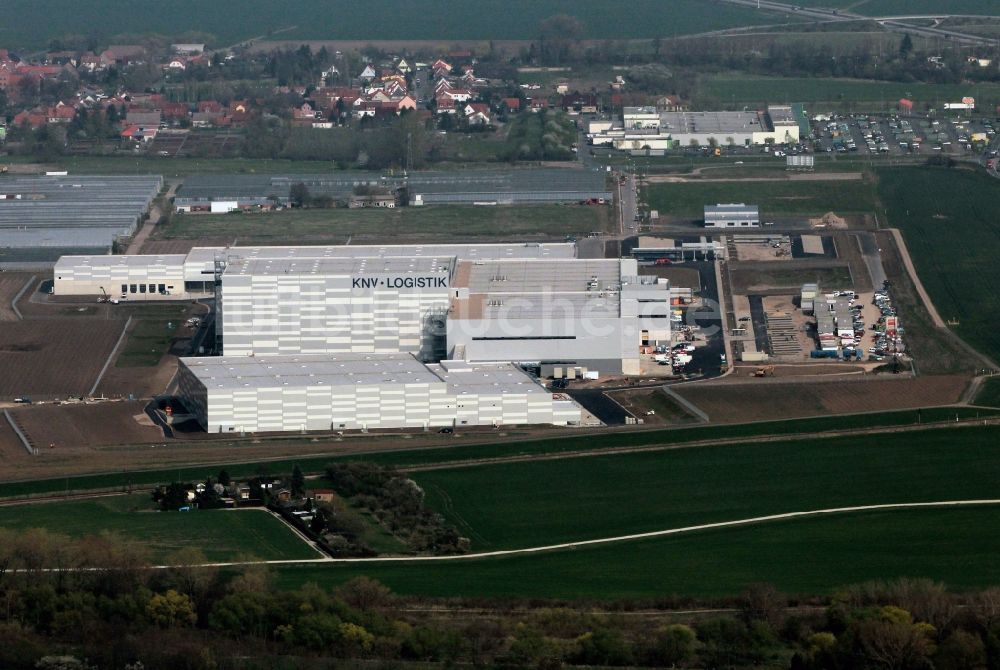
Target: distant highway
x,y
892,23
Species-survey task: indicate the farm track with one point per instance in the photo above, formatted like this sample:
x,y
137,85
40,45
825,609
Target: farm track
x,y
500,553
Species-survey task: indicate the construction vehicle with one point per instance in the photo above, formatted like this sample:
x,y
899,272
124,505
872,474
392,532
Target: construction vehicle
x,y
764,371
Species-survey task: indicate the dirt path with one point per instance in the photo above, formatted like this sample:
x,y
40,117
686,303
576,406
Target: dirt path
x,y
619,538
155,215
911,270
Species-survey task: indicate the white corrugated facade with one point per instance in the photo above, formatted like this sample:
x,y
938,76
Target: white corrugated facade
x,y
362,392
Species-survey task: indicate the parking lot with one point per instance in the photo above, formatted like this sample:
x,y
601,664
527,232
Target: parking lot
x,y
951,134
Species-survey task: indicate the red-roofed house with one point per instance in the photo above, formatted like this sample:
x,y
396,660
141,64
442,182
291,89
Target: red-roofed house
x,y
477,114
512,104
456,94
445,106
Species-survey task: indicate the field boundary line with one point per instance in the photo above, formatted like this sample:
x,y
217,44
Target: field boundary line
x,y
13,303
21,436
720,442
111,357
620,538
686,404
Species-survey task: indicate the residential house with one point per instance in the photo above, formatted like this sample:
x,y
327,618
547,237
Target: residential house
x,y
445,106
378,201
512,104
403,66
123,54
477,114
368,73
173,112
584,103
61,113
363,108
670,103
89,61
139,133
212,106
440,68
206,119
33,118
323,495
537,104
456,94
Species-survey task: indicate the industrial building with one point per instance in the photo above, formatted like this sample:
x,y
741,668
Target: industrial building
x,y
734,215
644,128
43,218
225,193
303,328
193,275
353,391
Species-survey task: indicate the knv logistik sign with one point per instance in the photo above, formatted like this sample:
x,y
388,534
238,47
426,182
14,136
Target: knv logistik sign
x,y
407,281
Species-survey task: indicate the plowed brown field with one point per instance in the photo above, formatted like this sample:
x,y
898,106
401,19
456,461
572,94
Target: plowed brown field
x,y
767,399
55,357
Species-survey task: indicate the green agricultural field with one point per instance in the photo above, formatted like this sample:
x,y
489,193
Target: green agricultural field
x,y
28,24
989,393
406,224
819,93
221,534
560,442
948,219
688,199
538,503
933,7
803,556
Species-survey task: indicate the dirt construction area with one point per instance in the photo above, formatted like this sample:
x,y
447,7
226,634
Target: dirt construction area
x,y
11,284
733,401
54,358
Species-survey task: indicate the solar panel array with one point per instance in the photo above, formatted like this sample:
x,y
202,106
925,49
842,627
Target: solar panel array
x,y
72,211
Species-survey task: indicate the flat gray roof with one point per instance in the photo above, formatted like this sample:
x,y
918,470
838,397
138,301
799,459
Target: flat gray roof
x,y
341,266
710,122
346,369
72,211
529,276
353,369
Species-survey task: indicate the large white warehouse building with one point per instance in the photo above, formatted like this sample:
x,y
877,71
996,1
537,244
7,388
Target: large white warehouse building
x,y
337,337
362,391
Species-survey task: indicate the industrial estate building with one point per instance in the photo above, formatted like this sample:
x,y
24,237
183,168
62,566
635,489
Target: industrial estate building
x,y
470,310
643,128
225,193
362,391
734,215
42,218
